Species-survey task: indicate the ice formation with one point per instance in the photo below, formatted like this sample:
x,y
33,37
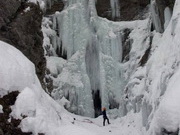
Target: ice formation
x,y
93,47
115,8
95,65
155,16
167,16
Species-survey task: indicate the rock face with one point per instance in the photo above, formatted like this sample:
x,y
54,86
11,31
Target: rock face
x,y
20,25
57,6
129,9
133,9
104,9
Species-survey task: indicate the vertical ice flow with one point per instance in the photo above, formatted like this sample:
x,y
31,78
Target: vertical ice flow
x,y
115,8
98,48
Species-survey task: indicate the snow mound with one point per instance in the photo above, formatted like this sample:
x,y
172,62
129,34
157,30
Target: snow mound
x,y
168,115
55,64
16,71
42,113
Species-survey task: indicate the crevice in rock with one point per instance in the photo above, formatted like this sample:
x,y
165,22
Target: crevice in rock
x,y
126,44
166,132
112,102
61,53
145,57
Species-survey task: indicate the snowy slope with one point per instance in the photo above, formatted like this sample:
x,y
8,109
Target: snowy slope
x,y
37,110
16,71
163,71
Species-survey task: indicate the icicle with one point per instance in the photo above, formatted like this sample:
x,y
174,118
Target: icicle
x,y
92,63
167,16
116,48
155,16
115,8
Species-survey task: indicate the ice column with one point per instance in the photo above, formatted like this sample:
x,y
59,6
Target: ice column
x,y
93,70
92,64
115,8
155,16
167,16
72,27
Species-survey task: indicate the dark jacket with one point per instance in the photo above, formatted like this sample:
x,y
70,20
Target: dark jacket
x,y
104,114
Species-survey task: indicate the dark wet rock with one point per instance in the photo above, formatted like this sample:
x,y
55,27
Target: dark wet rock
x,y
104,9
1,132
22,29
126,44
57,6
166,132
146,55
7,13
133,9
129,9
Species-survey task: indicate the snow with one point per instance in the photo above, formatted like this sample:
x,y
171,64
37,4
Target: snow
x,y
48,34
42,113
169,108
1,109
55,65
16,71
27,9
129,125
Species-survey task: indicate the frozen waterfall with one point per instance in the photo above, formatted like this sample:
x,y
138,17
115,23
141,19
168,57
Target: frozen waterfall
x,y
92,75
92,61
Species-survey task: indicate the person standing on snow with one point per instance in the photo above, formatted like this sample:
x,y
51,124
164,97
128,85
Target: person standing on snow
x,y
104,116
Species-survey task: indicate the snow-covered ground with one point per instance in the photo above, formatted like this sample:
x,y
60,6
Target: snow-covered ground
x,y
128,125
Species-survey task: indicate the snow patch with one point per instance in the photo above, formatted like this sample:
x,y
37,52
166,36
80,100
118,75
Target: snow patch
x,y
1,109
27,9
55,65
